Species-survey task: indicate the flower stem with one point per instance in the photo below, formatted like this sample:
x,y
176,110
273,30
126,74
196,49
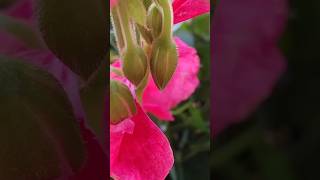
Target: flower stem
x,y
125,24
117,28
167,23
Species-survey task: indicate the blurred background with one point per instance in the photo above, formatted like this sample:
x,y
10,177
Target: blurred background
x,y
280,140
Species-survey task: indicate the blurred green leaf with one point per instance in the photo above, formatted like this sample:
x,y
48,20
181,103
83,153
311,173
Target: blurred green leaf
x,y
38,128
76,31
6,3
93,96
21,31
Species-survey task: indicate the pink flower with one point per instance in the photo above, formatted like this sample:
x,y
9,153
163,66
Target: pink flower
x,y
139,150
184,80
181,86
187,9
113,3
246,60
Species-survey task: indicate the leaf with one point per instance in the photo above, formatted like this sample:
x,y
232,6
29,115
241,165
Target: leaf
x,y
93,99
39,137
6,3
21,31
76,31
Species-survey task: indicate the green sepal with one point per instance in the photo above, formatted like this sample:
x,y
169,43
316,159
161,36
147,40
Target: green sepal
x,y
122,104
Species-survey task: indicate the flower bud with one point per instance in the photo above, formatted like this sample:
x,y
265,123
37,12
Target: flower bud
x,y
122,104
154,20
163,61
134,64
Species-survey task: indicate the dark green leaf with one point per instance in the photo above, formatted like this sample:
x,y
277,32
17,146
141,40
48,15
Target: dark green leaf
x,y
93,98
76,31
5,3
20,30
38,135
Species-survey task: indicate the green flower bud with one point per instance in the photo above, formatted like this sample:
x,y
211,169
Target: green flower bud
x,y
134,64
122,104
154,20
163,61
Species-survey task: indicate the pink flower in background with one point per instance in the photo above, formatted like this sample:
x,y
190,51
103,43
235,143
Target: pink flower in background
x,y
246,60
184,80
112,3
187,9
181,86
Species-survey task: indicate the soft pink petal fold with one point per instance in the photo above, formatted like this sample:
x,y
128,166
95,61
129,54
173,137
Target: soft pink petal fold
x,y
181,86
139,151
187,9
246,60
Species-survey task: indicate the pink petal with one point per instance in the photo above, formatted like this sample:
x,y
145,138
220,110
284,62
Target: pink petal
x,y
247,62
181,86
187,9
140,153
113,3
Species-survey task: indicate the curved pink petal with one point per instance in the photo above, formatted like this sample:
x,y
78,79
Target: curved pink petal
x,y
246,60
187,9
181,86
140,150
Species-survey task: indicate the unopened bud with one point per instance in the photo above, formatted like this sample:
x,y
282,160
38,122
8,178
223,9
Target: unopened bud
x,y
122,104
163,61
134,64
154,20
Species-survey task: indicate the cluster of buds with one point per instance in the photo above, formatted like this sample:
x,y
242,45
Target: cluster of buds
x,y
143,30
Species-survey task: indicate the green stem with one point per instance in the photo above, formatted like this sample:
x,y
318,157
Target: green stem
x,y
167,18
125,24
117,28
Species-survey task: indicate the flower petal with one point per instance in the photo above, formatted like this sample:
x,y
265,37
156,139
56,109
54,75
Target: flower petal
x,y
247,62
143,153
187,9
181,86
113,3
